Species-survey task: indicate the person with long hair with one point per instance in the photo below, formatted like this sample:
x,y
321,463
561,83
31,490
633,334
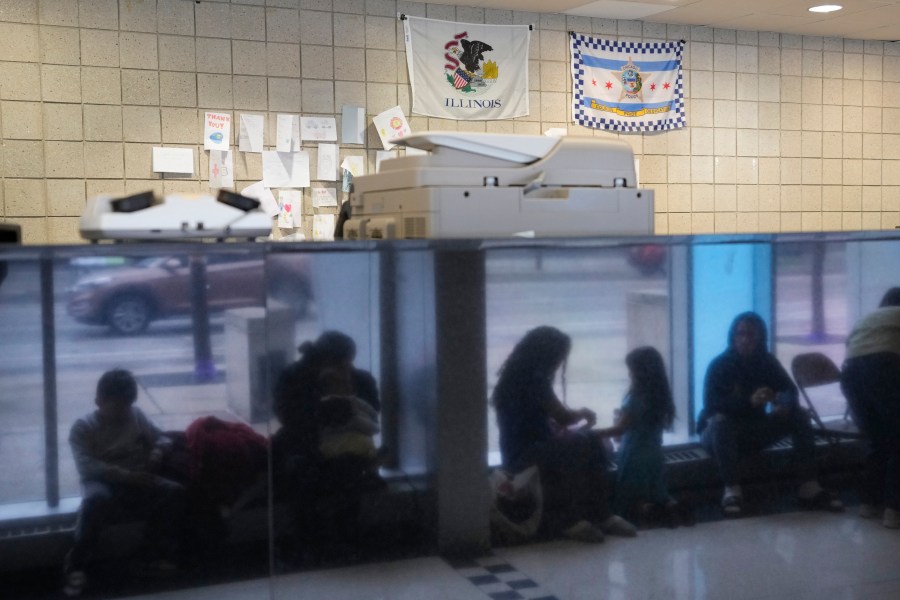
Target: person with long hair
x,y
536,428
870,379
646,411
750,403
324,491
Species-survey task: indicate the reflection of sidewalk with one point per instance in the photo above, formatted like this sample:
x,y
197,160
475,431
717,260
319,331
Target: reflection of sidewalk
x,y
172,400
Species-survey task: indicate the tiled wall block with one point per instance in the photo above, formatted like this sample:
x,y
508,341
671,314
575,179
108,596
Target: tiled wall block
x,y
784,132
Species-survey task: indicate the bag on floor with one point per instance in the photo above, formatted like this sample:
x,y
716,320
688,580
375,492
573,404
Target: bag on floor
x,y
517,505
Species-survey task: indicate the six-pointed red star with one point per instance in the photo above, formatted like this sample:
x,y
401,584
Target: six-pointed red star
x,y
594,82
666,85
652,86
609,85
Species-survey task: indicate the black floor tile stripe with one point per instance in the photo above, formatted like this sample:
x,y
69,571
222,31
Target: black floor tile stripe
x,y
498,579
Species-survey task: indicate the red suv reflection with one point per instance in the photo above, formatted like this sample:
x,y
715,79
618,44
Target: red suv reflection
x,y
128,298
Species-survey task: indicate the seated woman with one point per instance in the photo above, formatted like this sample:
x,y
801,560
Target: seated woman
x,y
323,488
749,403
536,429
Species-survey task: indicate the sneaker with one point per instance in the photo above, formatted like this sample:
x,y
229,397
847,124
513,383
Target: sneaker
x,y
868,511
891,518
75,583
732,506
616,525
584,531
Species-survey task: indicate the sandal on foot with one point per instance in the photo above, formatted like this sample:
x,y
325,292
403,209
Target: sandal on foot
x,y
822,500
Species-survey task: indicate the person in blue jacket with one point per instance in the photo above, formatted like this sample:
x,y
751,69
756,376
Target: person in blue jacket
x,y
750,403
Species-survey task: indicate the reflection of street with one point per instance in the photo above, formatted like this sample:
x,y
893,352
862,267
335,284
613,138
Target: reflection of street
x,y
583,294
162,358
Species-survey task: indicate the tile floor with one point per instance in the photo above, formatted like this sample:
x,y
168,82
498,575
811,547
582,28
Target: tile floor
x,y
801,556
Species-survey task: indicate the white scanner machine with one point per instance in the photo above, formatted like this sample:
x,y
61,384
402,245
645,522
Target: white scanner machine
x,y
175,217
487,185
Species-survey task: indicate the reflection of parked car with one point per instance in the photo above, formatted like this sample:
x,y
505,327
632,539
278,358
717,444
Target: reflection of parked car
x,y
128,298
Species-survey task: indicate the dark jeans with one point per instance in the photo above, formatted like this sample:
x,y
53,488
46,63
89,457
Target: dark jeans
x,y
730,441
574,480
871,384
161,505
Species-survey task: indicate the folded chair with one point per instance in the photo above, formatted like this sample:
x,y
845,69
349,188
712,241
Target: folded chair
x,y
812,370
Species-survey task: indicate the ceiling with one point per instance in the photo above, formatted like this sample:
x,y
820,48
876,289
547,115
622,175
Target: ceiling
x,y
859,19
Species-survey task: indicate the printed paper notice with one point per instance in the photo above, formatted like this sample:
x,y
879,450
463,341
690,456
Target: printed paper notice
x,y
391,125
326,165
221,169
286,169
217,131
173,160
319,129
287,133
353,125
323,228
260,192
250,137
289,217
324,196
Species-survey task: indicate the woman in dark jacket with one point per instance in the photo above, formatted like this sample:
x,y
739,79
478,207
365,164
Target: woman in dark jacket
x,y
325,494
535,429
749,403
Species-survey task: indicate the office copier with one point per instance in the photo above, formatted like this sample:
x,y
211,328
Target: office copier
x,y
494,185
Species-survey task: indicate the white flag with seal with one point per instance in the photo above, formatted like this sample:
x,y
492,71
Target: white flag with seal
x,y
466,71
627,86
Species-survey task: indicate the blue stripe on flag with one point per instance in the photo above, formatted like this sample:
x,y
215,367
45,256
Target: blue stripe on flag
x,y
628,106
615,65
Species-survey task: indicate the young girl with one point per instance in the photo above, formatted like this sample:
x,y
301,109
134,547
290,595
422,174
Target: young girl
x,y
646,410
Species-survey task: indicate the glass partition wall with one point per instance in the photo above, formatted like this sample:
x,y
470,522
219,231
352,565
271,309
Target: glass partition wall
x,y
407,337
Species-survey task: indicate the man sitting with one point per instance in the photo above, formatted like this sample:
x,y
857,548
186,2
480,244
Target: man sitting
x,y
117,450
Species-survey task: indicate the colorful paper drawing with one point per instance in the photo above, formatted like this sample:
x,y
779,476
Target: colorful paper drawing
x,y
217,131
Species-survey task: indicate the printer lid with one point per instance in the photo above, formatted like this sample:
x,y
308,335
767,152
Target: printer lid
x,y
522,149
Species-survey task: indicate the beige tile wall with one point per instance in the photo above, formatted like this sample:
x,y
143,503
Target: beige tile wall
x,y
786,133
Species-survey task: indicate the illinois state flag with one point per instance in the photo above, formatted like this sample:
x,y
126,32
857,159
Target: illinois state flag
x,y
467,71
627,86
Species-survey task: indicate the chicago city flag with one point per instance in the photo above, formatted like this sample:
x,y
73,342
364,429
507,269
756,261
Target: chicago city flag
x,y
627,86
467,71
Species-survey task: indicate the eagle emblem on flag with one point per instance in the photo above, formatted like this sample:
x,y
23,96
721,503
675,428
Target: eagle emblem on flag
x,y
466,67
467,71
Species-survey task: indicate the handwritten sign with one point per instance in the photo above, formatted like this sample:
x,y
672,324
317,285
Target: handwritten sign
x,y
217,131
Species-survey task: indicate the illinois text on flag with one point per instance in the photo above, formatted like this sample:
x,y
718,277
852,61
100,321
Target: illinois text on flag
x,y
627,86
467,71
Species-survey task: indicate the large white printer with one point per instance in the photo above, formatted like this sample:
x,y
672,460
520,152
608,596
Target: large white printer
x,y
494,185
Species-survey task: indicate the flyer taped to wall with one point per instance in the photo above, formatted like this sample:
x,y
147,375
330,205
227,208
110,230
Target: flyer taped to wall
x,y
467,71
391,125
627,86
